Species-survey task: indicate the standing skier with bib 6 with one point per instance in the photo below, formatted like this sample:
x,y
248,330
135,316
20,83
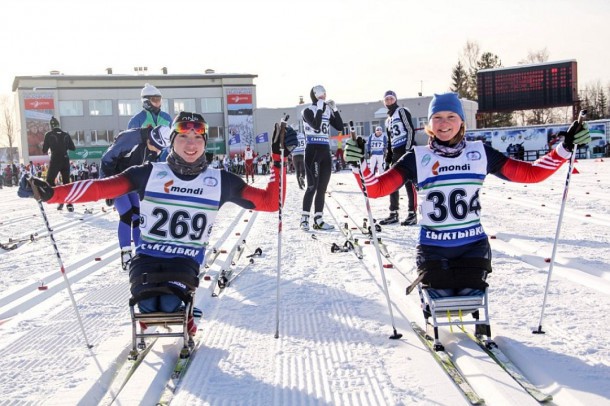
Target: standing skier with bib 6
x,y
317,120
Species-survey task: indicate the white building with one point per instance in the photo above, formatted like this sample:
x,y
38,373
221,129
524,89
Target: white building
x,y
93,109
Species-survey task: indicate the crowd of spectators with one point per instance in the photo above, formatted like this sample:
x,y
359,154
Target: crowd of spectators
x,y
10,173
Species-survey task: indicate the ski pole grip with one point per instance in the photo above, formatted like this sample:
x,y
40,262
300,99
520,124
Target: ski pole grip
x,y
582,115
283,122
352,130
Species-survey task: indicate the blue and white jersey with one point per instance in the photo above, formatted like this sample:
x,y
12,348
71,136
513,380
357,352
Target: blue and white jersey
x,y
313,136
300,148
399,132
376,145
177,215
449,195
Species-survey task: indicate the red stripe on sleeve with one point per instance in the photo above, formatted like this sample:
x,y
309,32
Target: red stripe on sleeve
x,y
526,172
92,190
382,185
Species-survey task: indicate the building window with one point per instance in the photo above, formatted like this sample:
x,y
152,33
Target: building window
x,y
374,125
184,105
100,107
211,105
216,132
102,137
78,137
70,108
129,107
421,122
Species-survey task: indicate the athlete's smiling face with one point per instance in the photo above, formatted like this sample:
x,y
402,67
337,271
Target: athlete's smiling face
x,y
445,125
190,146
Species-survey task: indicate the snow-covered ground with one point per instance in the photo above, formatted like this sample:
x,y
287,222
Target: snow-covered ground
x,y
334,322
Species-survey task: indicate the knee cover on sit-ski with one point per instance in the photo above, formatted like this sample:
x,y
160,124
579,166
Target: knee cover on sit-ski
x,y
453,274
127,217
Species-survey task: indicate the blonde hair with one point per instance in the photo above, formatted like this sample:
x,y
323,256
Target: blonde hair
x,y
455,140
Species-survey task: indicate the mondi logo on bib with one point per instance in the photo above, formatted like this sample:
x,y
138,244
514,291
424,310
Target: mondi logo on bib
x,y
169,187
438,169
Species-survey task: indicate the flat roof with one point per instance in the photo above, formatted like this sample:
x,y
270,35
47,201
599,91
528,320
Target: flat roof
x,y
147,77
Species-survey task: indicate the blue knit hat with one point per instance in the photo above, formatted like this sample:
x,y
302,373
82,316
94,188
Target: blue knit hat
x,y
446,102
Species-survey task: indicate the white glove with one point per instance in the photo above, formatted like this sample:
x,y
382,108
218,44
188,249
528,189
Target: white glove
x,y
320,104
332,104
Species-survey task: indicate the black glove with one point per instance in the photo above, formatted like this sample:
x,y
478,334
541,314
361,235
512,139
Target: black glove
x,y
578,134
37,188
388,158
290,140
354,151
109,202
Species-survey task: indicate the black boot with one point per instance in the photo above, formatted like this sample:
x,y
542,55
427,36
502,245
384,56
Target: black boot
x,y
391,219
411,219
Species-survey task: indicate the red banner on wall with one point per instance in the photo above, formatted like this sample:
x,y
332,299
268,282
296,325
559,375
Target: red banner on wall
x,y
239,98
39,104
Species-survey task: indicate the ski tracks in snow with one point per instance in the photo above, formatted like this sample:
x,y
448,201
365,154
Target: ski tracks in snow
x,y
329,327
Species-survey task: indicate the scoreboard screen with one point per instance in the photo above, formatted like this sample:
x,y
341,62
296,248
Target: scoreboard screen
x,y
527,87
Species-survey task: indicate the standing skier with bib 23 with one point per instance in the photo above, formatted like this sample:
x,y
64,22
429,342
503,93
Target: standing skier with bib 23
x,y
399,128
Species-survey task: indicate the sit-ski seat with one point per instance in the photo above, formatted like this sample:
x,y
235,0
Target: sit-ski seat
x,y
147,285
453,291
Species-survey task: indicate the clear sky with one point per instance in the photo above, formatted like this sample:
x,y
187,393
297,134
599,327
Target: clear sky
x,y
357,49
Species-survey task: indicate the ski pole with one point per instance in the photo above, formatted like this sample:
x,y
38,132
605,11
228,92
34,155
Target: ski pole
x,y
59,260
396,335
279,228
581,117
